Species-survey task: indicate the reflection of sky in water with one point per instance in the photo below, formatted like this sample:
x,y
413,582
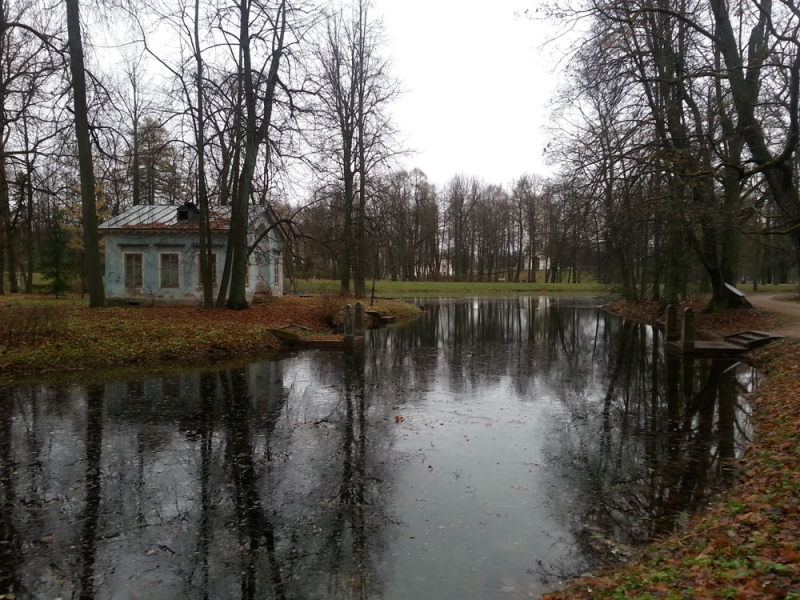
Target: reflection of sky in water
x,y
470,454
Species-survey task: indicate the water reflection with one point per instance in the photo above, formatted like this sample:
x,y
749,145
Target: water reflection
x,y
652,448
472,454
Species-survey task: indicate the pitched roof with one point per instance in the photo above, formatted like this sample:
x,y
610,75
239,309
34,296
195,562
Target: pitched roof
x,y
165,217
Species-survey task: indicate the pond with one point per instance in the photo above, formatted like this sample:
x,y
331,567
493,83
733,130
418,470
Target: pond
x,y
489,449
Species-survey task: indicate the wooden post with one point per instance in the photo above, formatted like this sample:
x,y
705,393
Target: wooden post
x,y
358,327
687,328
671,330
348,324
687,368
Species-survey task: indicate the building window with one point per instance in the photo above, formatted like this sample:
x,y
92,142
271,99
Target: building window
x,y
276,268
133,270
169,270
213,259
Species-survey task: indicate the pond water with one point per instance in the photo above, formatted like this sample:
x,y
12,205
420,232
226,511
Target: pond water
x,y
487,450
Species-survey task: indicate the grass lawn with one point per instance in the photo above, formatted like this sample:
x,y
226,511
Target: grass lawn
x,y
412,289
415,289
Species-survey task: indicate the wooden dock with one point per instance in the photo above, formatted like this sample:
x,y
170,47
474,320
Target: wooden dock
x,y
293,339
685,344
379,317
734,345
752,339
706,349
298,336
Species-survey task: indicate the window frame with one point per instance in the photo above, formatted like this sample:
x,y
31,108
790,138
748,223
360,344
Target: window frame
x,y
276,267
126,270
161,270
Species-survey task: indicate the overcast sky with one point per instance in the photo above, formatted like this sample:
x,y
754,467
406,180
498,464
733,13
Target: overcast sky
x,y
476,86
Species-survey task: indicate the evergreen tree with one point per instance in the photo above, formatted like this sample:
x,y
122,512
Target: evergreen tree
x,y
55,261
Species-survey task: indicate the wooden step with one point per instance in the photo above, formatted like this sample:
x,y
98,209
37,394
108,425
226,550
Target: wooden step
x,y
752,339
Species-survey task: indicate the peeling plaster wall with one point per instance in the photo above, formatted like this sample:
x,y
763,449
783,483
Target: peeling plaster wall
x,y
189,291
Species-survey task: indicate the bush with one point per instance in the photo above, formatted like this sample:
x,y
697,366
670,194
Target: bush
x,y
330,307
23,325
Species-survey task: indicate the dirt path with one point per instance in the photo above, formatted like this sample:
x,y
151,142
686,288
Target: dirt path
x,y
768,302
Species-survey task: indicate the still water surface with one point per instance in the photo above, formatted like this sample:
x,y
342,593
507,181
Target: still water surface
x,y
487,450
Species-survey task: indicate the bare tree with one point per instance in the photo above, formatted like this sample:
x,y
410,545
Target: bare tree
x,y
773,34
354,88
260,93
91,236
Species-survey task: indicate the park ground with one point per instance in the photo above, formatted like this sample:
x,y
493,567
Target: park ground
x,y
48,340
746,545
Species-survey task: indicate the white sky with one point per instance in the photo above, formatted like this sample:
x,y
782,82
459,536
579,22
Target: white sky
x,y
476,82
476,86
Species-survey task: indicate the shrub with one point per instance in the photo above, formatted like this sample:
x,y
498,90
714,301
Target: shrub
x,y
330,307
22,325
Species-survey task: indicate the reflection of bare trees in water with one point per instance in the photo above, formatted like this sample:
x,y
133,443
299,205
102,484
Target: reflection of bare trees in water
x,y
356,517
194,490
253,523
224,484
205,432
93,486
647,439
476,342
652,448
10,555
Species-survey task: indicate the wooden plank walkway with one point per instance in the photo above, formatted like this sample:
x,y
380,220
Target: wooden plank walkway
x,y
752,339
734,345
706,349
294,340
380,317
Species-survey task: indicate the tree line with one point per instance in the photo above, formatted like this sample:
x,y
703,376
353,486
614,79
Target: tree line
x,y
674,145
466,230
679,128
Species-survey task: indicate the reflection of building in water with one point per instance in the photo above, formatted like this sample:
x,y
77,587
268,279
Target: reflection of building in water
x,y
174,398
192,486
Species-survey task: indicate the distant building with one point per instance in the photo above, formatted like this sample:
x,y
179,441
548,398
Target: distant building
x,y
152,254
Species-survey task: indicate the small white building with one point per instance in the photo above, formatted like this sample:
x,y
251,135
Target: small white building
x,y
152,254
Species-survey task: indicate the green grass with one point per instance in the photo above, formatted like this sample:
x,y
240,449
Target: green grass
x,y
776,288
410,289
70,300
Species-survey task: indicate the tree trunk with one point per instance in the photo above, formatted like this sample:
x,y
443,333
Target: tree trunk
x,y
255,135
7,224
91,236
745,83
346,244
206,256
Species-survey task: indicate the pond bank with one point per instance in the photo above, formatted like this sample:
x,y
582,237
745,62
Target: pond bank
x,y
747,545
43,336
